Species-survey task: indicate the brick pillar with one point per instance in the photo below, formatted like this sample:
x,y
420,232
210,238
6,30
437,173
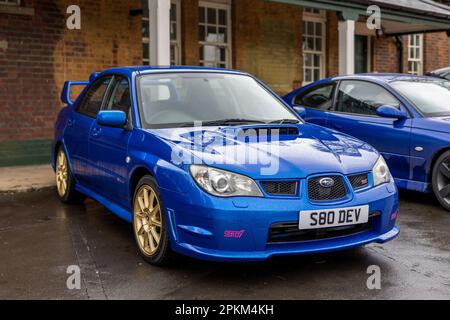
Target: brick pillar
x,y
332,52
189,32
435,51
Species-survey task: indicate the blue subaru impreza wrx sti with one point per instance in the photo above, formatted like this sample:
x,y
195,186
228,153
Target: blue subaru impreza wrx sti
x,y
212,164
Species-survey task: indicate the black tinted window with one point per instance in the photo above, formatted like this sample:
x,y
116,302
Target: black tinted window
x,y
317,97
120,97
363,98
92,101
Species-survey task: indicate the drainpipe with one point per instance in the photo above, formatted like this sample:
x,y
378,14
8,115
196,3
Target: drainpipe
x,y
399,43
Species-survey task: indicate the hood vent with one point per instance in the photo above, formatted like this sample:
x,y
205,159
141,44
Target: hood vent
x,y
268,131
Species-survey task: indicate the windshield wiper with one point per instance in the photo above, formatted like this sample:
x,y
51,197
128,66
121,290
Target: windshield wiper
x,y
229,122
285,121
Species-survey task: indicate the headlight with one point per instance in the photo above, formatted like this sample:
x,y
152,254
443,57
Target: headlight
x,y
223,183
381,172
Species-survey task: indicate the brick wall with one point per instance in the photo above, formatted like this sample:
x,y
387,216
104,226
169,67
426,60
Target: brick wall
x,y
435,51
189,32
38,53
385,57
332,50
267,42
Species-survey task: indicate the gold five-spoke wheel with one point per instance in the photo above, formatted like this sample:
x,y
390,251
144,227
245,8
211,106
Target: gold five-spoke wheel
x,y
147,220
62,173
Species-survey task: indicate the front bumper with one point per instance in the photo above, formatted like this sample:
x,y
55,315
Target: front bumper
x,y
238,229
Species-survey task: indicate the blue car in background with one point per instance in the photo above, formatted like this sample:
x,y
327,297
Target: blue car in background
x,y
212,164
405,117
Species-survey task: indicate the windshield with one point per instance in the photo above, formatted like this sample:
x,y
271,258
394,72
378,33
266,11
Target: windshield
x,y
430,96
182,99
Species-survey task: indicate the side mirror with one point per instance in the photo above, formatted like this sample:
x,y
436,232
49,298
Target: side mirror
x,y
387,111
301,111
112,118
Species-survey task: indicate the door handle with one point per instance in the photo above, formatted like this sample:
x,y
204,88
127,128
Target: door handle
x,y
70,122
96,131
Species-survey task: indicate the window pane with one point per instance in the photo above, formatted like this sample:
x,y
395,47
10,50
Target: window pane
x,y
209,53
173,31
145,29
317,98
308,75
310,28
310,44
318,46
120,98
173,12
436,101
316,60
308,61
201,33
363,98
223,17
146,51
201,14
223,35
212,35
318,29
212,16
92,102
223,55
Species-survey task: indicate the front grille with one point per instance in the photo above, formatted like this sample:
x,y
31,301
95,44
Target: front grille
x,y
289,231
280,188
317,192
359,180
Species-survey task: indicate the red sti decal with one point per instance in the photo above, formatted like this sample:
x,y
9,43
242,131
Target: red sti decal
x,y
233,234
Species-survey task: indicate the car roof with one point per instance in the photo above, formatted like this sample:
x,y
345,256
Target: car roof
x,y
382,77
157,69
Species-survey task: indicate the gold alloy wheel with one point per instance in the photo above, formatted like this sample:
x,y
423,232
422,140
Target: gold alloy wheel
x,y
62,174
147,220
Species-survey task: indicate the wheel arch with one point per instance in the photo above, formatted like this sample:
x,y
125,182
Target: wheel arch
x,y
56,147
135,176
434,160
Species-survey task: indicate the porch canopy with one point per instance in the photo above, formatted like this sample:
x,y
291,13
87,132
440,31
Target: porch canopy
x,y
398,17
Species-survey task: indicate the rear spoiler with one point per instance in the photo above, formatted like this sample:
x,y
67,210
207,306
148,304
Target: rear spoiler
x,y
65,94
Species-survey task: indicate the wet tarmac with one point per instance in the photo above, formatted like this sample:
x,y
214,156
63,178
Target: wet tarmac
x,y
40,238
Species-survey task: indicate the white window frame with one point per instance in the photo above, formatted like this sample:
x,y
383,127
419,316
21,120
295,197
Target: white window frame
x,y
414,59
315,18
176,43
223,5
10,2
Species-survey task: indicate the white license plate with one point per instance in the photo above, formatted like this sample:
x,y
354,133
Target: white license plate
x,y
326,218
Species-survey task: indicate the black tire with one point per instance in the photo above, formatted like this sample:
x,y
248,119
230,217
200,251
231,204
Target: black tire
x,y
70,196
163,255
441,180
